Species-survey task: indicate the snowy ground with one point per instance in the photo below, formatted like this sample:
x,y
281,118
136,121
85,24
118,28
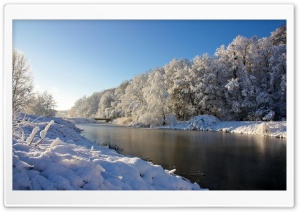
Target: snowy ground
x,y
64,160
81,120
211,123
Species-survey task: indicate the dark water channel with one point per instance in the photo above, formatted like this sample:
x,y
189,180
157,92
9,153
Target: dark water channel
x,y
215,160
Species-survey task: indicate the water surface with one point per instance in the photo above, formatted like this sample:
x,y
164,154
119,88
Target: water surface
x,y
215,160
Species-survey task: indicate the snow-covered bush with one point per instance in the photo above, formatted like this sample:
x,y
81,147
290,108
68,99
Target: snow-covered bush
x,y
258,114
262,129
263,97
127,121
269,116
261,115
152,120
232,84
31,136
147,120
43,133
202,122
171,119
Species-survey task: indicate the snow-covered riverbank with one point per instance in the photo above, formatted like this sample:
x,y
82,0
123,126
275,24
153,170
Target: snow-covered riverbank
x,y
210,123
64,160
81,120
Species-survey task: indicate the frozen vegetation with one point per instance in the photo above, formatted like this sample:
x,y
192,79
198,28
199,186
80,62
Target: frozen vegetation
x,y
242,89
50,154
243,81
81,120
211,123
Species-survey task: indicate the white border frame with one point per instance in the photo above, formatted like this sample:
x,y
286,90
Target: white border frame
x,y
155,11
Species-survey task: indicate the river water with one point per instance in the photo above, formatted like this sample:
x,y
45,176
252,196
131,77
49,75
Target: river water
x,y
215,160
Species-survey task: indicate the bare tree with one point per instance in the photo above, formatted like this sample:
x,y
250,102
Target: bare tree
x,y
22,82
44,105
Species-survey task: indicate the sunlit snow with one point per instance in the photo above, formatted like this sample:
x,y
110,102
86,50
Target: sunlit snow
x,y
211,123
64,160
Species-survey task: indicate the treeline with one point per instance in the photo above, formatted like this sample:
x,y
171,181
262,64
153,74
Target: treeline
x,y
244,81
24,100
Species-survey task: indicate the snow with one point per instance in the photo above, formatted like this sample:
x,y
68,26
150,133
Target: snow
x,y
202,122
125,121
81,120
31,136
210,123
232,84
269,116
65,160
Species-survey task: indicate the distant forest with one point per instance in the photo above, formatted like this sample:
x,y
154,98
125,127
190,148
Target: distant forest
x,y
244,81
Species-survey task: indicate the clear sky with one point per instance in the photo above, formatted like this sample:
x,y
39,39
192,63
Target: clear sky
x,y
73,58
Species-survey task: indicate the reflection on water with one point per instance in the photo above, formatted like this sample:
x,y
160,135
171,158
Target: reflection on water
x,y
217,161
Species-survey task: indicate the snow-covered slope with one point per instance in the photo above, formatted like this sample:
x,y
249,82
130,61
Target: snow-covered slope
x,y
64,160
81,120
272,128
211,123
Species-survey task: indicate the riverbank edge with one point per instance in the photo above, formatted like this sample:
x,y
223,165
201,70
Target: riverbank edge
x,y
275,129
65,160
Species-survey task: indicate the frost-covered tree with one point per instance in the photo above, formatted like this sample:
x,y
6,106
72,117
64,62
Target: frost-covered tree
x,y
157,100
178,84
22,81
86,107
207,86
278,37
117,104
43,105
133,102
255,69
105,109
244,81
278,80
79,108
92,104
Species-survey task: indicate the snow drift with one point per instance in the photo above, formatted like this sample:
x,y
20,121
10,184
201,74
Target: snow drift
x,y
211,123
64,160
202,122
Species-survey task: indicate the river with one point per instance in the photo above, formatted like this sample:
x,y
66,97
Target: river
x,y
215,160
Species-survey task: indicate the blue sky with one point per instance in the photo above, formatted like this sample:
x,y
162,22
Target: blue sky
x,y
73,58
